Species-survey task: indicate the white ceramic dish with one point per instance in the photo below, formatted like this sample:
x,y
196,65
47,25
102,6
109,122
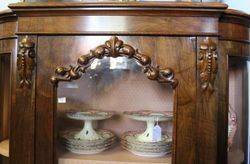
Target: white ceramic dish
x,y
87,146
88,132
150,117
147,154
130,142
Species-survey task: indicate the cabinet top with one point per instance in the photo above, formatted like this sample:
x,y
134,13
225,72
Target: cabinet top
x,y
158,8
127,17
121,5
6,16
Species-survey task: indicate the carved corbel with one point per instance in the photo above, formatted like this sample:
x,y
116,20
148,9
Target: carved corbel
x,y
207,64
25,62
114,47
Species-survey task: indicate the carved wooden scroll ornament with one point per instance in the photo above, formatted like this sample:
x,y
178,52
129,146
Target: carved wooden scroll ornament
x,y
25,62
114,48
207,64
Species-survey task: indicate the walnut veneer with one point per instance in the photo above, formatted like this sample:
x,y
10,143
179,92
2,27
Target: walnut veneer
x,y
194,40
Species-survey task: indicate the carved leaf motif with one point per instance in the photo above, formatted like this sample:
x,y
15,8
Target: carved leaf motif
x,y
25,62
207,64
114,48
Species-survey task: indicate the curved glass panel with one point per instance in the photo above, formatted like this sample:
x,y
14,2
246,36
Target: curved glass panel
x,y
115,85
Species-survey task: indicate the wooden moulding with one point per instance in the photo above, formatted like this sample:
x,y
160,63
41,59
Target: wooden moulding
x,y
119,18
237,49
113,8
114,25
8,25
235,16
7,16
114,47
164,5
235,26
7,30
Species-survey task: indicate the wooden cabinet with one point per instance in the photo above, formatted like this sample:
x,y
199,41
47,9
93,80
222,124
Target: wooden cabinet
x,y
8,45
189,45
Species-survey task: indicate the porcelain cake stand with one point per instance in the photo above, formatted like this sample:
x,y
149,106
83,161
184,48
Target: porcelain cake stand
x,y
87,140
143,143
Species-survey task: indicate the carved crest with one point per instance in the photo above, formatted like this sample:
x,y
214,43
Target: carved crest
x,y
114,48
25,62
207,64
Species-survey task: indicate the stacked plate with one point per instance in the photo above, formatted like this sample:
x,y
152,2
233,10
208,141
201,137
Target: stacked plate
x,y
78,146
88,140
152,142
130,142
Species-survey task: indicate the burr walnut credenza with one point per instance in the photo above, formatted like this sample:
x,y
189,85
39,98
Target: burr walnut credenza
x,y
183,57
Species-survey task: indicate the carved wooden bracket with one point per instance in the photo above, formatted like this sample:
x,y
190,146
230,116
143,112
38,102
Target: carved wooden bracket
x,y
114,48
25,62
207,64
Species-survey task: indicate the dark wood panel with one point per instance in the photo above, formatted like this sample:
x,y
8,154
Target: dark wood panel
x,y
201,119
13,138
180,54
8,46
22,137
7,16
239,49
236,17
223,99
207,114
5,95
118,25
8,29
234,32
4,160
7,53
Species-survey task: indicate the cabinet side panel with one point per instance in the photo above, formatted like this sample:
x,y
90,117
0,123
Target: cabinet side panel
x,y
179,53
7,54
223,83
211,104
22,137
4,95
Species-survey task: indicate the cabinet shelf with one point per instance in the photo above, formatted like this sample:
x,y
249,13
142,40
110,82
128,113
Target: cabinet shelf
x,y
4,148
113,156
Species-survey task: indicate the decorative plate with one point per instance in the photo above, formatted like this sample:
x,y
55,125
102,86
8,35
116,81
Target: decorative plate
x,y
147,115
147,154
146,149
130,142
131,137
133,147
88,132
79,146
89,115
69,137
151,118
81,151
